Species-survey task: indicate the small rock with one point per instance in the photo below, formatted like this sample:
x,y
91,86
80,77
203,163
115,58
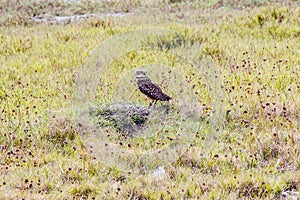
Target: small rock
x,y
159,172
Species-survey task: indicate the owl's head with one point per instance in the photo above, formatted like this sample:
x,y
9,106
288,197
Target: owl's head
x,y
140,74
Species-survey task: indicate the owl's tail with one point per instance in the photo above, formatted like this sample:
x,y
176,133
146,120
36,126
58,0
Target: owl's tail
x,y
165,97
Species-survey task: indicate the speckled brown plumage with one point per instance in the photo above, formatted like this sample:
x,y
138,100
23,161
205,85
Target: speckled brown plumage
x,y
149,88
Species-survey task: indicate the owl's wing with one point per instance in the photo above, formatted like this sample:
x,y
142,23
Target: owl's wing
x,y
150,89
153,91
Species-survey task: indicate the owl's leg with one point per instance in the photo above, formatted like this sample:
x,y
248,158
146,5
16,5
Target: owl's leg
x,y
152,103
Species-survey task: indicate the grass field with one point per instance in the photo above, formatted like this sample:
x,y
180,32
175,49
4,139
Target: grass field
x,y
48,69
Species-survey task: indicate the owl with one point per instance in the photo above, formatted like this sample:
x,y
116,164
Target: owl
x,y
147,87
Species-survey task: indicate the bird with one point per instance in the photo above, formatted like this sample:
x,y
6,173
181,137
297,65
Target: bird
x,y
150,89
